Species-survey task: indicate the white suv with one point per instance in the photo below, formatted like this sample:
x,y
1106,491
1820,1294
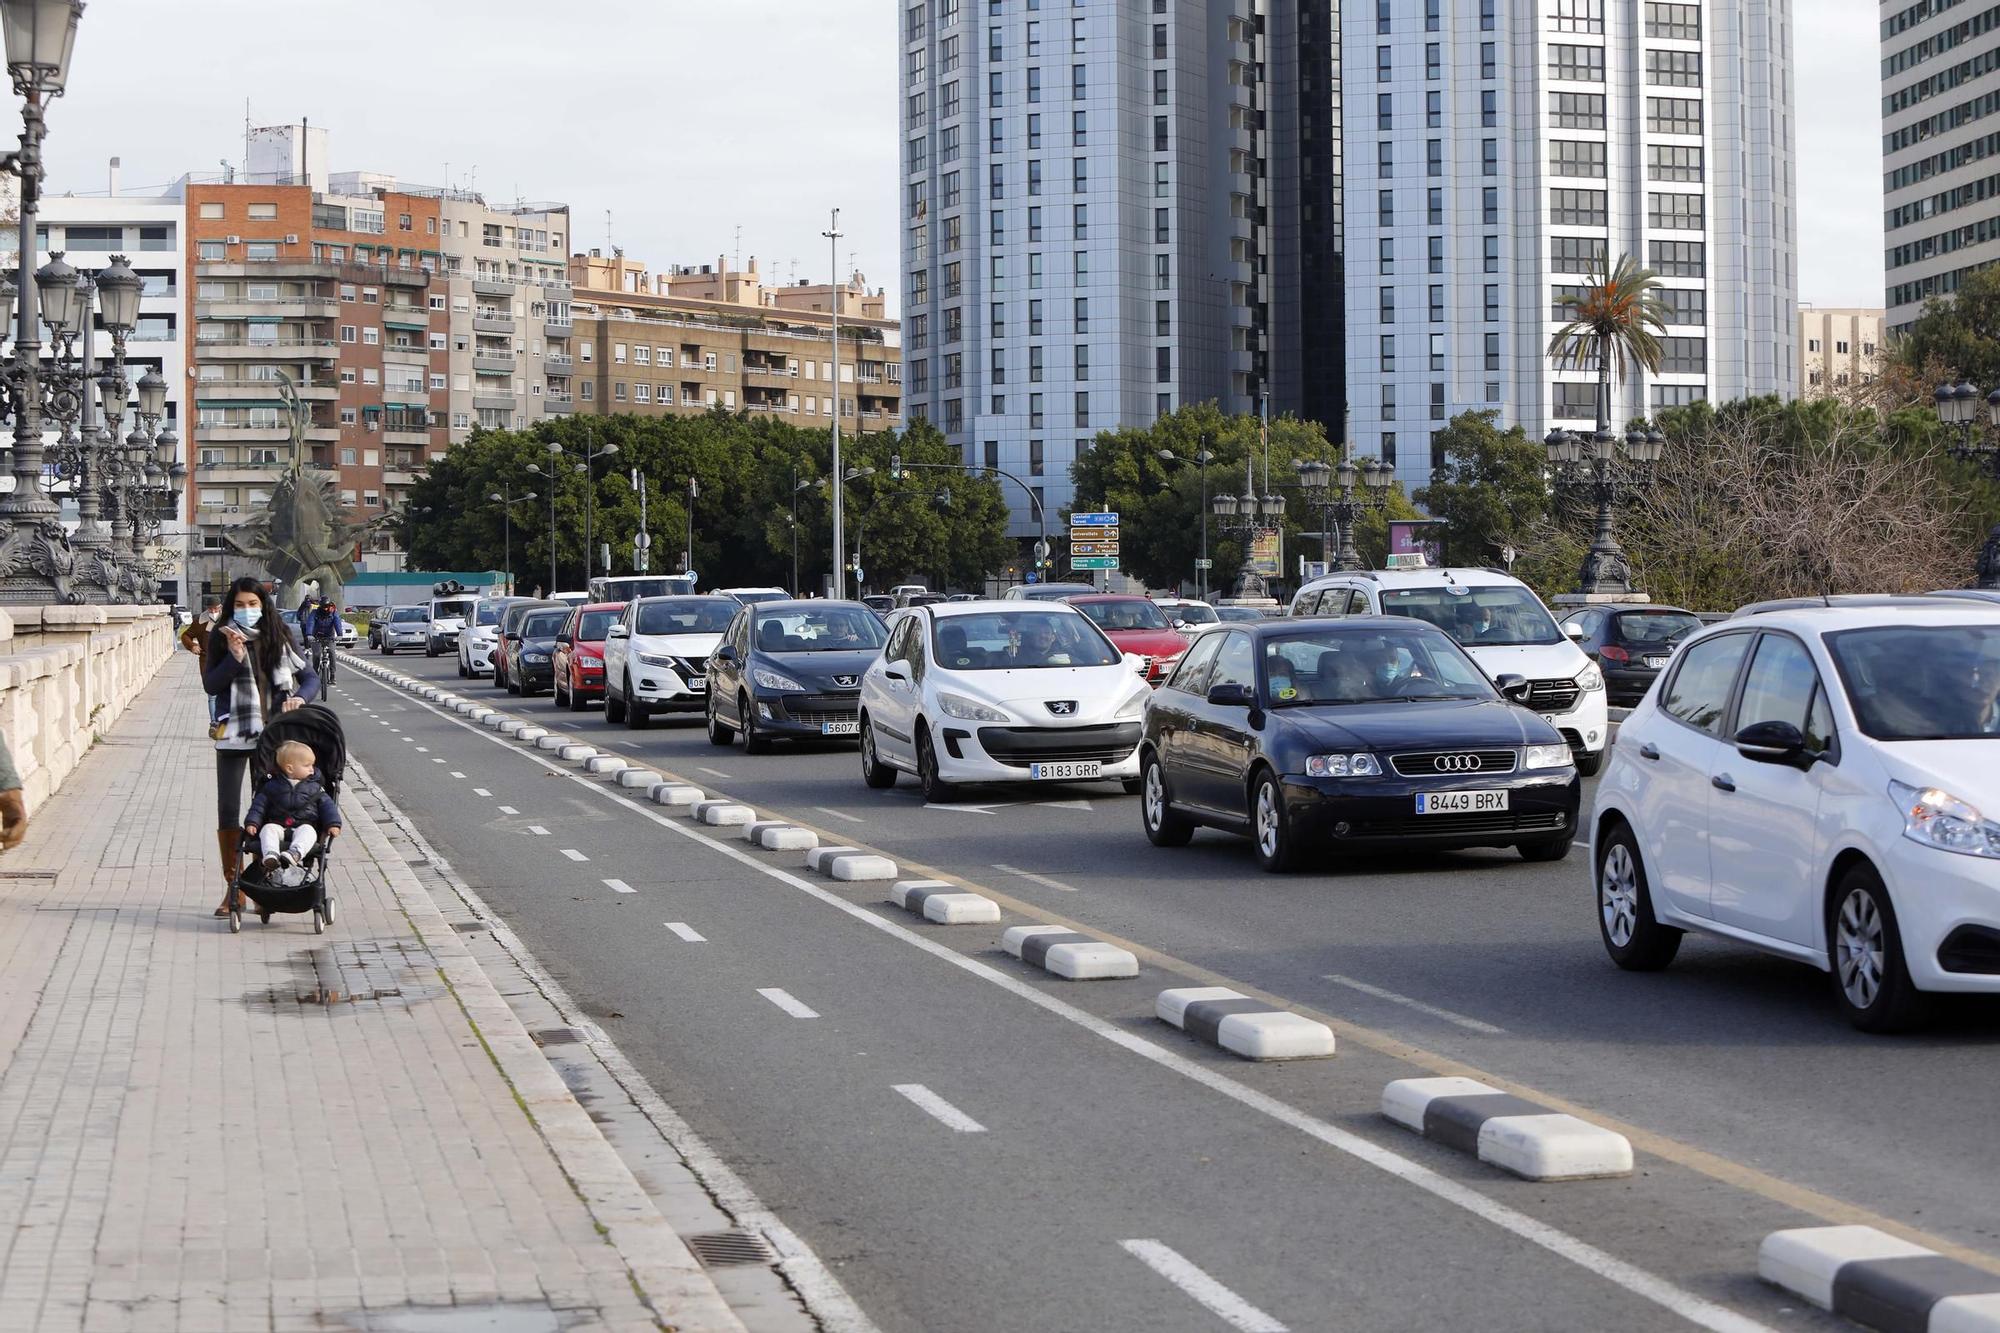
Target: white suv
x,y
1501,624
1820,783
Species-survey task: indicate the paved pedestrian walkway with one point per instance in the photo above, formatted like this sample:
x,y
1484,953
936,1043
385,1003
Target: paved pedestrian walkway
x,y
280,1130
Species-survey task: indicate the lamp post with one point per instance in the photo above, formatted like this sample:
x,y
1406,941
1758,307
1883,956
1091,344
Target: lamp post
x,y
832,234
1332,491
507,503
1958,409
1602,466
1245,517
897,467
687,556
797,486
1203,457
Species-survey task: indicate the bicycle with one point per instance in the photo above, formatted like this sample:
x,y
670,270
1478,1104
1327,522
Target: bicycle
x,y
324,659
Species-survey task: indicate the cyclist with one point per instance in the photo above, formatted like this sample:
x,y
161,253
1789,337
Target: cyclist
x,y
322,632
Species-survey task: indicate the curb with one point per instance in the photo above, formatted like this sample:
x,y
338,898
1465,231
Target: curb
x,y
1880,1282
1243,1026
942,903
676,794
723,814
1066,953
1506,1131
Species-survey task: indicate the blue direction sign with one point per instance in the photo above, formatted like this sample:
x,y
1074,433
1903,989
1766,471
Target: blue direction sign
x,y
1093,520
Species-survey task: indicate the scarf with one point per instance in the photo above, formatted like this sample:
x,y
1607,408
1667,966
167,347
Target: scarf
x,y
250,704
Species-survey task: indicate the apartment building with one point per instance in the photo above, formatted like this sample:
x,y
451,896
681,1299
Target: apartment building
x,y
1940,135
1112,209
690,340
1838,349
338,293
1496,151
506,275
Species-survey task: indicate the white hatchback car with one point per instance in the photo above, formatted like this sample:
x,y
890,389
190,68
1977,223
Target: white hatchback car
x,y
1823,784
656,656
1007,691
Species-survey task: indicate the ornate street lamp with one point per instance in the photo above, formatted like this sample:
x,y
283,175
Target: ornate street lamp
x,y
1603,466
1958,409
1331,490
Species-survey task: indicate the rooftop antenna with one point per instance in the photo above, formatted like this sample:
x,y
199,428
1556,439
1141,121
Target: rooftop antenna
x,y
795,272
738,264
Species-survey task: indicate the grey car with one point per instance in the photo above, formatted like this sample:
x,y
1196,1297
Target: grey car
x,y
407,627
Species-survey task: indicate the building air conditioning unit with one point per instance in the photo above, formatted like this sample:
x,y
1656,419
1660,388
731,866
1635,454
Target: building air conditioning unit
x,y
291,238
232,240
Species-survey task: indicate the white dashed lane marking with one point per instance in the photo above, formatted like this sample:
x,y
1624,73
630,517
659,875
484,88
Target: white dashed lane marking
x,y
785,1001
458,775
479,791
1217,1299
1457,1020
1030,875
837,814
619,886
714,772
508,810
423,749
940,1109
573,854
687,932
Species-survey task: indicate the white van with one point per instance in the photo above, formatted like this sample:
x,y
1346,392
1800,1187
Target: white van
x,y
447,619
1500,622
631,587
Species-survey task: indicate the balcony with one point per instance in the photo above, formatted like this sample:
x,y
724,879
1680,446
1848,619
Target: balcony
x,y
493,286
492,321
497,363
557,327
558,404
399,477
559,365
263,391
405,277
285,349
236,470
323,435
406,317
288,307
410,435
504,402
277,432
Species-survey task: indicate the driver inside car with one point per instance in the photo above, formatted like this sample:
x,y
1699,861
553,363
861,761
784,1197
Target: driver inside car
x,y
1035,645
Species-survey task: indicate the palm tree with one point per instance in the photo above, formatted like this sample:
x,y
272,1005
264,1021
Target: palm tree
x,y
1618,320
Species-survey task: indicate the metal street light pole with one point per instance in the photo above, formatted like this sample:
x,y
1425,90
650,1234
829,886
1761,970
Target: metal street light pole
x,y
1603,466
507,503
832,234
687,556
1203,458
1958,407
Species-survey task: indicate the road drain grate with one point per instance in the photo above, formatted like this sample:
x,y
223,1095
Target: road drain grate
x,y
468,927
555,1036
725,1249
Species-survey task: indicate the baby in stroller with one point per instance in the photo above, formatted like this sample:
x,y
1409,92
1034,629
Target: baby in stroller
x,y
293,805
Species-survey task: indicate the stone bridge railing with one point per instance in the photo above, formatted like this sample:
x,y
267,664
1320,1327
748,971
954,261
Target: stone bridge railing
x,y
66,674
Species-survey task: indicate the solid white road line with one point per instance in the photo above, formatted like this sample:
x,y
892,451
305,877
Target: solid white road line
x,y
1457,1020
785,1001
619,886
1627,1276
837,814
1043,880
687,932
573,854
714,773
481,791
1217,1299
939,1108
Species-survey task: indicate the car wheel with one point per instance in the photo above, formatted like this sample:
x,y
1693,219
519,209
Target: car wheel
x,y
1270,829
574,697
462,672
753,743
1871,979
1590,762
935,788
388,651
514,686
381,647
1164,828
1632,936
873,771
430,648
637,716
718,734
614,705
1549,849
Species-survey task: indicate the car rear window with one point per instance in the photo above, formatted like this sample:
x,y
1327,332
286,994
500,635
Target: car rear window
x,y
1658,628
403,615
544,624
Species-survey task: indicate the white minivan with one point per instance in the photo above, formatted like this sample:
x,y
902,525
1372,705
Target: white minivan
x,y
1500,622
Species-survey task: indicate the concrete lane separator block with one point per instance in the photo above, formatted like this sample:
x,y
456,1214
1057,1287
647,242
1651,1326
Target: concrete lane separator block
x,y
575,752
859,866
817,857
1879,1281
944,904
637,777
552,742
495,720
1253,1029
1066,953
605,763
725,814
786,838
677,795
753,832
528,733
1506,1131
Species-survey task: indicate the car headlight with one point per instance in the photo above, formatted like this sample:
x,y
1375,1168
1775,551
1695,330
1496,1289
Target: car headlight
x,y
534,657
1547,756
770,680
1590,678
656,659
969,710
1939,819
1343,766
586,660
1133,708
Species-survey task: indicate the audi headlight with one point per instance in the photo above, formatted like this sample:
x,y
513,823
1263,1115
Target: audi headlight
x,y
1939,819
770,680
1590,678
1343,766
1133,708
1547,756
970,710
656,659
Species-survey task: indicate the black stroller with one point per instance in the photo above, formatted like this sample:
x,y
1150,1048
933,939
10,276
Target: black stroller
x,y
317,726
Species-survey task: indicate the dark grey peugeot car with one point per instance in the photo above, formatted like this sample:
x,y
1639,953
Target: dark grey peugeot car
x,y
791,670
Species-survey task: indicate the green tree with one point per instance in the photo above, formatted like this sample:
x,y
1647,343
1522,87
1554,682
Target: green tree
x,y
1616,321
1491,491
1960,333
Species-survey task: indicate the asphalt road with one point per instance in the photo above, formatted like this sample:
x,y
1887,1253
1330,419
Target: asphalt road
x,y
1751,1104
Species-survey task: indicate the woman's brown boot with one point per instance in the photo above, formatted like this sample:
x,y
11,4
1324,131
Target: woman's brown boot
x,y
229,842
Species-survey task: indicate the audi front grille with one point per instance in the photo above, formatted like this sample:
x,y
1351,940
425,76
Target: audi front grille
x,y
1454,763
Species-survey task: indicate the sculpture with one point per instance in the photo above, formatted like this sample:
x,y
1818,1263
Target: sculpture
x,y
304,535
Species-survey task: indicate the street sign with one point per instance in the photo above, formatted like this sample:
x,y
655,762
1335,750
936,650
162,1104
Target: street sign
x,y
1032,577
1104,520
642,540
1094,534
1204,564
1093,548
1093,562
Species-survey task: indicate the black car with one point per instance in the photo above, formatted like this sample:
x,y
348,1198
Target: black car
x,y
531,652
791,670
1631,645
1364,731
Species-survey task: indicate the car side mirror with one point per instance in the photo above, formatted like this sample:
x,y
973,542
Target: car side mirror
x,y
896,671
564,639
1231,696
1133,662
726,653
617,632
1775,743
1514,687
1574,631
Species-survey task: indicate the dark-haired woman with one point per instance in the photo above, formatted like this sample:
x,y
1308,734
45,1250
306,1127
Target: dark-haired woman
x,y
254,673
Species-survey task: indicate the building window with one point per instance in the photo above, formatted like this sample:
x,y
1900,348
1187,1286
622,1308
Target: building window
x,y
1683,356
1681,22
1673,115
1034,411
1433,62
1578,16
211,212
1578,254
1163,365
1433,111
1385,159
1576,64
1080,221
1562,297
1489,157
1387,353
1387,304
1489,108
1674,212
1436,254
1437,402
1673,69
1577,208
1674,162
1385,208
1163,319
1384,116
1678,395
1489,61
1082,315
1492,254
1493,351
1492,303
1082,411
1576,157
1577,111
1388,402
1384,65
1489,206
1576,402
1685,305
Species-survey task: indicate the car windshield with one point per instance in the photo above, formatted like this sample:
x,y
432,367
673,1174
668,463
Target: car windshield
x,y
626,589
1126,613
1656,629
1193,613
1476,617
593,625
403,615
543,624
450,610
488,614
1240,614
1922,682
1334,666
686,615
1016,640
835,629
752,598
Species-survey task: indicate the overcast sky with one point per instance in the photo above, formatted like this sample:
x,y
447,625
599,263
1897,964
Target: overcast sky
x,y
685,119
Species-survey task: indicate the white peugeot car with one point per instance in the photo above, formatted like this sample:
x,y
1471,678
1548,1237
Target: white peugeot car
x,y
1821,783
479,635
656,656
1000,692
1501,624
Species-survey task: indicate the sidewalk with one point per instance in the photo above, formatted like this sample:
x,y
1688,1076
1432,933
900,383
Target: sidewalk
x,y
280,1130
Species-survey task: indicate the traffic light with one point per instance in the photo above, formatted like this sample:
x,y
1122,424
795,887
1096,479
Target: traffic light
x,y
895,467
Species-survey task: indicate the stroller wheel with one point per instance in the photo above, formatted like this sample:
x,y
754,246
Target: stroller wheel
x,y
236,923
329,911
319,922
264,918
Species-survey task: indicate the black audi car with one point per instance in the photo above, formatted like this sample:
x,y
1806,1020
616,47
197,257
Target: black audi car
x,y
791,670
531,649
1367,731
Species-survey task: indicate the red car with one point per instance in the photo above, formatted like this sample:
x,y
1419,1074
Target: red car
x,y
579,656
1135,625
